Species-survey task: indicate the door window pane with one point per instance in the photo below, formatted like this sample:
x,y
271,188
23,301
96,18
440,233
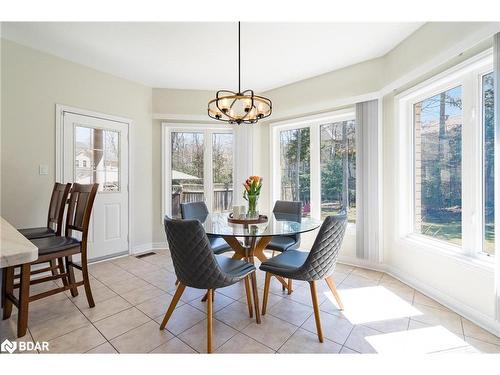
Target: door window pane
x,y
338,168
222,171
97,157
187,169
488,163
438,166
295,167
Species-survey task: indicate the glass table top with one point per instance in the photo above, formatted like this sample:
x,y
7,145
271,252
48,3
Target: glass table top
x,y
276,225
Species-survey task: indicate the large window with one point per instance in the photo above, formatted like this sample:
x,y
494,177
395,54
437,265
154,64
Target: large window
x,y
488,119
295,167
222,171
446,161
438,165
338,168
201,169
317,164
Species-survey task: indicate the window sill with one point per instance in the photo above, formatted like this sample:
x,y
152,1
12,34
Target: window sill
x,y
450,251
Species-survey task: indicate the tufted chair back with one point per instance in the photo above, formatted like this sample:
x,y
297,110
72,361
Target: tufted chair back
x,y
194,261
194,210
289,210
323,255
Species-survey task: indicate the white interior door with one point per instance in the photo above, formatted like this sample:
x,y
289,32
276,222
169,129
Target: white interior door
x,y
96,150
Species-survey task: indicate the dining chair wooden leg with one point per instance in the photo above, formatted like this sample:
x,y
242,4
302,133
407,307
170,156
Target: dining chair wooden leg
x,y
71,277
289,286
209,320
317,317
249,296
265,298
255,292
331,285
24,299
86,281
175,299
7,289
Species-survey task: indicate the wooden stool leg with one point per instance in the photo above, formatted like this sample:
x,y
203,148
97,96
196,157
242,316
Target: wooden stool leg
x,y
71,277
249,296
331,285
317,317
62,271
53,264
289,286
170,310
7,289
24,297
86,282
209,320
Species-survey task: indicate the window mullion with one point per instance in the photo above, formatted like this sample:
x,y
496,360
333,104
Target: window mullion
x,y
471,167
207,169
315,180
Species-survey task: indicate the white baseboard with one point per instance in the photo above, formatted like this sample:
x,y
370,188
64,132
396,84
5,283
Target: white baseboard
x,y
477,317
138,249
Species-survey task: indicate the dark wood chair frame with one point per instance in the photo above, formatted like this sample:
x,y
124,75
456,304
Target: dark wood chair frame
x,y
55,217
77,219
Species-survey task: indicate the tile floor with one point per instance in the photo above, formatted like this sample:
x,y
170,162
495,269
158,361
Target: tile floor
x,y
382,315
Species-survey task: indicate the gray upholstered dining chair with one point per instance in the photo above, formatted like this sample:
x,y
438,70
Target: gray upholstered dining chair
x,y
318,264
197,266
291,211
199,210
286,210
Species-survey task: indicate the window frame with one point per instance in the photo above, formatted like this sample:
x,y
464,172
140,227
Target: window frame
x,y
468,75
314,124
208,130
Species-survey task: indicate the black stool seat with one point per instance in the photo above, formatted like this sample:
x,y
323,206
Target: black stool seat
x,y
41,232
49,245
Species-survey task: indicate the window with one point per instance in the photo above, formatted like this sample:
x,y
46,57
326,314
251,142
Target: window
x,y
198,167
222,171
97,157
438,165
446,160
488,121
295,167
187,169
338,168
315,161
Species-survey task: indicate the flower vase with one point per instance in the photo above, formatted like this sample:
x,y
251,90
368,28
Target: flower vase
x,y
252,206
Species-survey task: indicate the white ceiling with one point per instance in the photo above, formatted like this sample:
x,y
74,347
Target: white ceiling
x,y
189,55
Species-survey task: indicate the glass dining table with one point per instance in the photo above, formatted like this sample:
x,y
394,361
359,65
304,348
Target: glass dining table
x,y
256,237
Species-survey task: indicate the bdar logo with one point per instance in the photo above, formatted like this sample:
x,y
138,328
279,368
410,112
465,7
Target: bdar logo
x,y
8,346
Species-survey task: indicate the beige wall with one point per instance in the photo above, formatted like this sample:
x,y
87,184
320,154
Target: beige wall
x,y
32,84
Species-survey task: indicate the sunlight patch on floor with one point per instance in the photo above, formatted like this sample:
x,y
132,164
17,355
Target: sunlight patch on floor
x,y
417,341
372,304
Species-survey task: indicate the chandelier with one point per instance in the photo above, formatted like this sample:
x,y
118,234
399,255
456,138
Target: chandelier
x,y
242,107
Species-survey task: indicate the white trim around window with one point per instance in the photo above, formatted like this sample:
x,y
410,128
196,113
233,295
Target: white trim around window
x,y
313,123
468,75
208,130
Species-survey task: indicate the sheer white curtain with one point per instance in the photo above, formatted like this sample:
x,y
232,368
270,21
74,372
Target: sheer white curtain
x,y
368,175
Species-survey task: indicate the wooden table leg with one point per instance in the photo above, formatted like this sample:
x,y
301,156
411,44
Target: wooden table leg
x,y
253,277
